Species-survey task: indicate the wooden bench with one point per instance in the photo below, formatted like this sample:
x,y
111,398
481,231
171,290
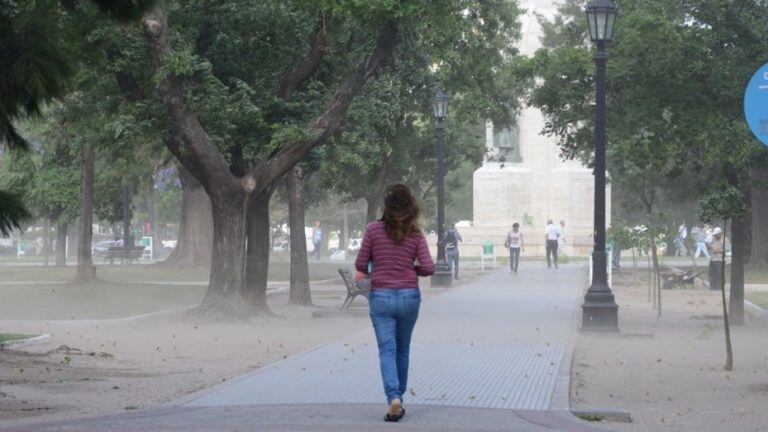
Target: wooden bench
x,y
118,252
353,289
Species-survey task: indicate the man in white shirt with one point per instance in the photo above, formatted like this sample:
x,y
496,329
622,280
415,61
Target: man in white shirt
x,y
552,234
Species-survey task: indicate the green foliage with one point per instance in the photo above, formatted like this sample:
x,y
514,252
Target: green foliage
x,y
34,61
168,205
124,10
676,76
390,130
12,212
722,204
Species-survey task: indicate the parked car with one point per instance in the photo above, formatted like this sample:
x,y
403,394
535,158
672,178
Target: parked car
x,y
169,244
101,247
353,245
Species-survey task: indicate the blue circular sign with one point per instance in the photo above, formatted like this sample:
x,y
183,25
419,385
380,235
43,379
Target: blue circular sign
x,y
756,104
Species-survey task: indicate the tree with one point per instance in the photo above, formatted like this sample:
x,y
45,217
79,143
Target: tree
x,y
193,247
674,97
725,203
36,62
86,271
299,287
238,191
390,130
247,135
12,212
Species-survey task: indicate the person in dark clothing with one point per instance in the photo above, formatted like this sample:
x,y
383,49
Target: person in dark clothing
x,y
452,239
551,238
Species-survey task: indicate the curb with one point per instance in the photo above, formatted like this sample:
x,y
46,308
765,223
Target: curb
x,y
20,343
760,310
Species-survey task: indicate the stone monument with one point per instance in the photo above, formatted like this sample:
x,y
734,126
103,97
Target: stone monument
x,y
524,180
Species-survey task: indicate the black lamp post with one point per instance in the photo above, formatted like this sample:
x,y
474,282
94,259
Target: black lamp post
x,y
442,276
599,310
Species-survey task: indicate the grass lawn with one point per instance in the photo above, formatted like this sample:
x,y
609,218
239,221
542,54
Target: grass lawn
x,y
98,300
5,337
46,293
278,271
758,298
756,276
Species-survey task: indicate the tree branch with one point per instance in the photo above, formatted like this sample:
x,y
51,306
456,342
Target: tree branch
x,y
335,111
309,65
197,146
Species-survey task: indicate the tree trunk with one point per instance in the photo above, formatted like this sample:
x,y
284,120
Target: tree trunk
x,y
657,277
86,271
651,291
738,245
758,256
299,291
223,300
61,244
726,320
254,286
46,241
152,215
195,240
373,208
344,237
128,241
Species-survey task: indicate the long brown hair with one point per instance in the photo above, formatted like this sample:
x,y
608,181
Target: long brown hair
x,y
401,213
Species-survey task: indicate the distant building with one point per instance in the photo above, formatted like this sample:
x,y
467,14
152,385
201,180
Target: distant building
x,y
523,178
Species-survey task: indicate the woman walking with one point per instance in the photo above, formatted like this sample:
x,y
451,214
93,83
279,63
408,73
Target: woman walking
x,y
514,243
398,251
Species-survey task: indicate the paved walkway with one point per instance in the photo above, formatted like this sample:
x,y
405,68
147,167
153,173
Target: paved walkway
x,y
491,355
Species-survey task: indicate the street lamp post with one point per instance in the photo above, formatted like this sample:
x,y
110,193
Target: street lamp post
x,y
599,310
443,276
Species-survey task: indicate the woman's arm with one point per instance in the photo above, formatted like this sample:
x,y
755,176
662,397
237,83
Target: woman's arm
x,y
364,254
426,266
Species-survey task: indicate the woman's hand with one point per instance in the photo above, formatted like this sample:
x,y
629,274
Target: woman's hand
x,y
360,275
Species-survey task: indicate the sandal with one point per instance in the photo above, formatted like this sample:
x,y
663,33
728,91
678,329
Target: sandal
x,y
395,418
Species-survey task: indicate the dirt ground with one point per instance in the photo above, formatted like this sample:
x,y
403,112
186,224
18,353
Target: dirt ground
x,y
96,365
669,372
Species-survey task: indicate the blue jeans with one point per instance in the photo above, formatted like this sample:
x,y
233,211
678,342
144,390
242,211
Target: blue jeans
x,y
394,313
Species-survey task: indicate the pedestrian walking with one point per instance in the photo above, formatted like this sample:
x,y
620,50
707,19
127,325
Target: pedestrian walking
x,y
718,245
551,236
682,234
561,237
452,239
514,243
399,253
317,240
699,234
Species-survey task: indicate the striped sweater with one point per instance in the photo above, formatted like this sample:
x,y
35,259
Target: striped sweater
x,y
394,264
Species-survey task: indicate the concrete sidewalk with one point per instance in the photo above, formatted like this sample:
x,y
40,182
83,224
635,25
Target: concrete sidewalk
x,y
491,355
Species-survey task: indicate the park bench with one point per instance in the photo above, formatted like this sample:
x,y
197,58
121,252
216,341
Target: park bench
x,y
118,252
353,289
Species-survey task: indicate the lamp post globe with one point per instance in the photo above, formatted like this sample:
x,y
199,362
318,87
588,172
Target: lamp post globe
x,y
443,276
601,16
599,310
441,105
